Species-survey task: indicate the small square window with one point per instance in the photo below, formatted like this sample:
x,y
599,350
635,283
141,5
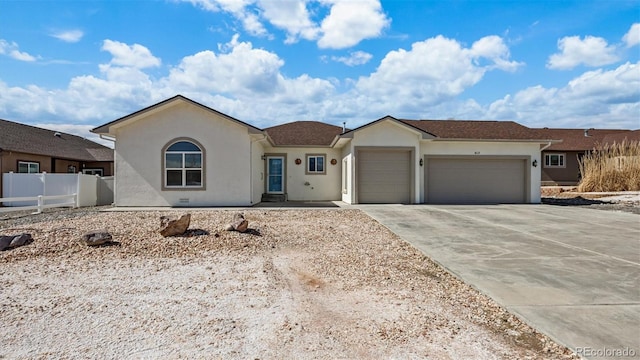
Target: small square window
x,y
27,167
315,164
174,177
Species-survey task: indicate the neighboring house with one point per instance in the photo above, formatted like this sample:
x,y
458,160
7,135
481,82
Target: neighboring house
x,y
560,161
181,153
29,149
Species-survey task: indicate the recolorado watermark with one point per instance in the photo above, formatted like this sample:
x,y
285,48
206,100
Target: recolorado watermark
x,y
606,352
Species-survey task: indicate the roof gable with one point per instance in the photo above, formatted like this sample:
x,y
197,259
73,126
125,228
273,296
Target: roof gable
x,y
34,140
108,127
407,126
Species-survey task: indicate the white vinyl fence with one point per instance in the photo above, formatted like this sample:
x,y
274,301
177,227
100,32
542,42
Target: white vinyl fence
x,y
49,190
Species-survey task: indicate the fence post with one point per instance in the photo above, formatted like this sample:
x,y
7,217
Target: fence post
x,y
40,203
78,188
44,183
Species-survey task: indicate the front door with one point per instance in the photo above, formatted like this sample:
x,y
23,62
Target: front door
x,y
275,174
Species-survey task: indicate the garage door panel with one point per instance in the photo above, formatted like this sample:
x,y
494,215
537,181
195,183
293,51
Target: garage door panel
x,y
384,176
469,181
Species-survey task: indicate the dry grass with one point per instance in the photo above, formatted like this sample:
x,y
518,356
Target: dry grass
x,y
613,168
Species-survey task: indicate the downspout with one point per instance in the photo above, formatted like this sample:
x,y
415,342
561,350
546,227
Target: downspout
x,y
545,147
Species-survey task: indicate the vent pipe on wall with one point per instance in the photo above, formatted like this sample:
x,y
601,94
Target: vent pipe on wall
x,y
344,127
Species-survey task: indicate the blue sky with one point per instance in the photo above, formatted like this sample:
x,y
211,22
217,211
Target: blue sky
x,y
74,65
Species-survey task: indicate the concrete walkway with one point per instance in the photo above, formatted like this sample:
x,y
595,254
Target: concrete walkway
x,y
572,273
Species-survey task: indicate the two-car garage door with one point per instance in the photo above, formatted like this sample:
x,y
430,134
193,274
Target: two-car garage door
x,y
385,176
475,180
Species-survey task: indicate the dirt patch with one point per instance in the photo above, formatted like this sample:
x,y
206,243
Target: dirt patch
x,y
305,284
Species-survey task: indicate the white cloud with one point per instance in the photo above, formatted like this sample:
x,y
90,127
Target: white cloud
x,y
601,98
590,51
632,38
433,71
350,22
11,49
292,16
354,58
70,36
425,81
135,55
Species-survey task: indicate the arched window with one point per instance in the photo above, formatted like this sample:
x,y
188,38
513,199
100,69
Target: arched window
x,y
183,165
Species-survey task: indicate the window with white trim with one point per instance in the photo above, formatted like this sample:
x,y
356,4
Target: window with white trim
x,y
554,160
28,167
183,165
316,164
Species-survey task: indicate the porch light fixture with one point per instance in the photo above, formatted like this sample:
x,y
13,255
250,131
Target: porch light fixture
x,y
535,163
421,162
264,157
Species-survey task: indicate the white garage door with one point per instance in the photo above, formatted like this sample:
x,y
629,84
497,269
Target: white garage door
x,y
475,181
384,176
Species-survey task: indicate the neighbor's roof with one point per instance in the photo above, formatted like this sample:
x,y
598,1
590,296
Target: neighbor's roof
x,y
33,140
575,139
632,135
476,129
303,133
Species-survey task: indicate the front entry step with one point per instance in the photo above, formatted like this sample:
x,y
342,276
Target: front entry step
x,y
274,197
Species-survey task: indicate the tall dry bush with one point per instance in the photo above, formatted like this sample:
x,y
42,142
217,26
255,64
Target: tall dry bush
x,y
613,167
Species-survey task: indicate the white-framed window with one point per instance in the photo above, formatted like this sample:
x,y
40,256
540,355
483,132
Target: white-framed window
x,y
554,160
316,164
183,165
28,167
98,172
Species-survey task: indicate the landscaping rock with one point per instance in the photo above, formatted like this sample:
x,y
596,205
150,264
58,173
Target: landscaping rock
x,y
95,238
239,223
173,227
5,241
14,241
20,240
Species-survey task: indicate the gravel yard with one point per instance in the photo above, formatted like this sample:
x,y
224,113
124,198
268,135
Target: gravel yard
x,y
301,284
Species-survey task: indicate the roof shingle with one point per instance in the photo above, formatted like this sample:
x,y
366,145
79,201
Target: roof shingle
x,y
575,139
303,133
476,129
33,140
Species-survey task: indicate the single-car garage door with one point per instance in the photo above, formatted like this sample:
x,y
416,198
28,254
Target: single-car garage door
x,y
475,181
384,176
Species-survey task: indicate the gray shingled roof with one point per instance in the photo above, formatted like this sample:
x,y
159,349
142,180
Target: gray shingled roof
x,y
33,140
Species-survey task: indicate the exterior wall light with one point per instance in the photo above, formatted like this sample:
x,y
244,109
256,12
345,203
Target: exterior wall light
x,y
535,163
421,162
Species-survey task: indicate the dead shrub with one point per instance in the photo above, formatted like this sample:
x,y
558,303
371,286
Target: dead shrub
x,y
613,167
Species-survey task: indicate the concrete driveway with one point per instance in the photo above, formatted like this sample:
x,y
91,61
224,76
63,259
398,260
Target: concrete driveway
x,y
570,272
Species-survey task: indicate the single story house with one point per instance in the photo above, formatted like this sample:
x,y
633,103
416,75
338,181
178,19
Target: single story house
x,y
182,153
560,161
29,149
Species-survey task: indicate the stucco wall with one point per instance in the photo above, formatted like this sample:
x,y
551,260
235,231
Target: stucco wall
x,y
139,159
531,150
385,134
322,187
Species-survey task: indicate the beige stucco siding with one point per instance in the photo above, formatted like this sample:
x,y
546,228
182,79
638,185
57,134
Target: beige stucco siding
x,y
529,151
384,134
321,187
227,147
